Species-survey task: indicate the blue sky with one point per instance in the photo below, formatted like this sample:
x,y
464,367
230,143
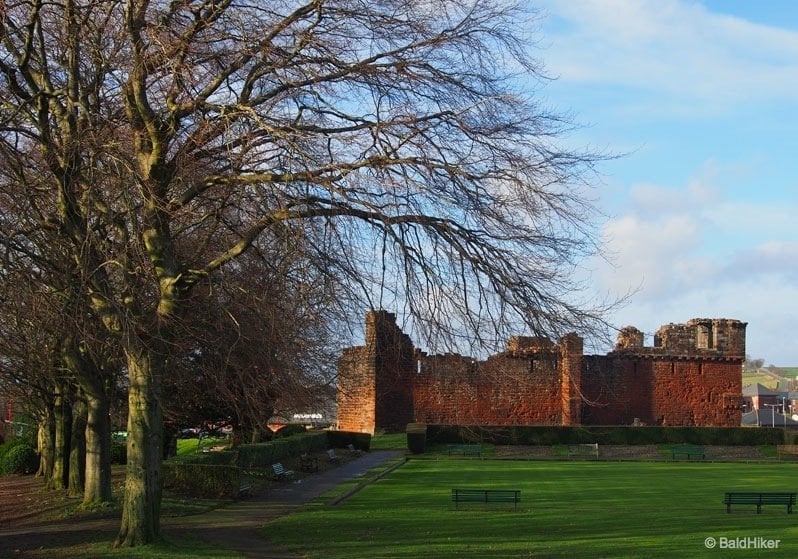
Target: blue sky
x,y
702,211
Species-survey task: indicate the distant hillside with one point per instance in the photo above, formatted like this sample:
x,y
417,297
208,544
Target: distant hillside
x,y
771,376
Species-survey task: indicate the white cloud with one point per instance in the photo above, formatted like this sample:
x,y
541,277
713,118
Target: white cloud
x,y
690,89
672,244
776,259
672,47
770,332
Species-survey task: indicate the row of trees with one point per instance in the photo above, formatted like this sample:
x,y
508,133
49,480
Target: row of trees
x,y
195,193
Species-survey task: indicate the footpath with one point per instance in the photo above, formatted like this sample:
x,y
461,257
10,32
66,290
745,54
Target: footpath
x,y
237,527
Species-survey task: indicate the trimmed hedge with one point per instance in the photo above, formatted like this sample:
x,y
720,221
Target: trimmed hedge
x,y
416,437
203,480
342,439
263,455
620,435
216,458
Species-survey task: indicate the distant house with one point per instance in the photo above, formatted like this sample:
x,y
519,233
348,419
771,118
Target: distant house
x,y
760,397
765,407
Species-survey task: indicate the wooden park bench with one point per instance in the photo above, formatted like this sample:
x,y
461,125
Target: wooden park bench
x,y
464,449
787,451
759,499
308,463
580,450
486,496
244,490
352,450
332,456
280,473
688,450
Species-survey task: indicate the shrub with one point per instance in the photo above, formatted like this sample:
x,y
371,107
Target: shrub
x,y
118,452
202,480
19,459
416,437
217,458
264,455
290,430
620,435
342,439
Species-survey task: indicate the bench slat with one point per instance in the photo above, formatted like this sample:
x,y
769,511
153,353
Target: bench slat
x,y
586,449
486,496
280,472
464,449
688,450
759,498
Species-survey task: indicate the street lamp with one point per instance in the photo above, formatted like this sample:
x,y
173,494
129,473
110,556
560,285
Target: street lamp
x,y
784,411
772,413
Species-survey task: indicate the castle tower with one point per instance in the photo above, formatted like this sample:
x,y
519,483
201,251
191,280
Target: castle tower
x,y
571,348
375,380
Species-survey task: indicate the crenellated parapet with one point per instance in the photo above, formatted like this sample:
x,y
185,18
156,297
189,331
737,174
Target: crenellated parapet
x,y
707,338
690,376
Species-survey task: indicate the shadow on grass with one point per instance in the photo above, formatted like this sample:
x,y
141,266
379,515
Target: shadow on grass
x,y
584,509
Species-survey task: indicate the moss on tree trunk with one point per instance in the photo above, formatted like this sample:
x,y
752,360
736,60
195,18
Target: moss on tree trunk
x,y
142,501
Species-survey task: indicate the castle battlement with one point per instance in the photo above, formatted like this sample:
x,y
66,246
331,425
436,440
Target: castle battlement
x,y
690,376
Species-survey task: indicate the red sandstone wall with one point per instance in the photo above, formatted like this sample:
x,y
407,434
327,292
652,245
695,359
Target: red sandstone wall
x,y
668,391
356,389
374,380
691,377
394,359
570,371
503,390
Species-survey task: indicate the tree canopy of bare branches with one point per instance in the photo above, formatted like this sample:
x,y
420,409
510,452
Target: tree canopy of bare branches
x,y
400,140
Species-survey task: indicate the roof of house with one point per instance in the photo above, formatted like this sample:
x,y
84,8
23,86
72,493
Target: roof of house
x,y
760,390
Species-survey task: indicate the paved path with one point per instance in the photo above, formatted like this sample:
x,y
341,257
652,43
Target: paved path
x,y
235,527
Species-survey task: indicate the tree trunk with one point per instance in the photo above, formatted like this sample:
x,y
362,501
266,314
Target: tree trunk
x,y
142,502
95,432
98,450
77,449
46,444
58,480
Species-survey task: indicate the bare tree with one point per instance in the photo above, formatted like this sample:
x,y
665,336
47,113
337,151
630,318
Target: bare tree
x,y
47,316
395,136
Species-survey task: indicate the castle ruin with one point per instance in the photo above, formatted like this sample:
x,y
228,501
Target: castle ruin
x,y
690,377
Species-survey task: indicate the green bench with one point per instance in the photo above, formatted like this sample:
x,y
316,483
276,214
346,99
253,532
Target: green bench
x,y
583,450
280,473
308,463
464,449
759,499
688,450
486,496
332,456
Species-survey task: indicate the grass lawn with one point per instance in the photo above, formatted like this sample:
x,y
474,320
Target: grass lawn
x,y
195,445
101,549
568,509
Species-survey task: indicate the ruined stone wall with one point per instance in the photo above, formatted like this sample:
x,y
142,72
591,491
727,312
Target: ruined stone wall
x,y
394,361
661,390
503,390
691,376
374,380
356,390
